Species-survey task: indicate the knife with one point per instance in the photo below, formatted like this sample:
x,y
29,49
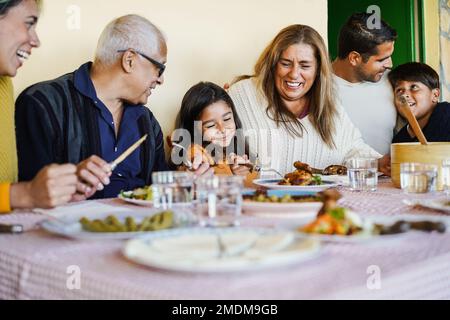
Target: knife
x,y
13,228
126,153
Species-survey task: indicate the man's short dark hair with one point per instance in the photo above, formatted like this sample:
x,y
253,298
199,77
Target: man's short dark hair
x,y
415,72
355,35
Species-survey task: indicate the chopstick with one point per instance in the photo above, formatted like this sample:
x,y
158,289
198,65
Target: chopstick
x,y
127,152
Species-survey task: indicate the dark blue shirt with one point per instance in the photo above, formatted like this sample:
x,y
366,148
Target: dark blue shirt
x,y
436,130
125,176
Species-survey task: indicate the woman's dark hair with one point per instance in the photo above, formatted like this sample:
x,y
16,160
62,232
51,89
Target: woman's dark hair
x,y
355,35
417,72
197,99
6,5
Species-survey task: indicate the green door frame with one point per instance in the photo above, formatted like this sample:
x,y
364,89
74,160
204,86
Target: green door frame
x,y
412,39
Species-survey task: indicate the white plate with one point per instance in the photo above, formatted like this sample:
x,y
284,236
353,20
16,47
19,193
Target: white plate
x,y
367,225
199,250
149,203
273,184
364,235
282,210
430,204
69,225
144,203
341,180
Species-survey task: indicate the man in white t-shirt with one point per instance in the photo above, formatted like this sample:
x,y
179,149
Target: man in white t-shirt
x,y
360,74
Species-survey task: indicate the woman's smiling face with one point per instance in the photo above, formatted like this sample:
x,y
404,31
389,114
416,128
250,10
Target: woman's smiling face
x,y
18,36
296,72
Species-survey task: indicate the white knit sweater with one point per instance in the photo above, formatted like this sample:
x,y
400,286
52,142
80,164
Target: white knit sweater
x,y
279,150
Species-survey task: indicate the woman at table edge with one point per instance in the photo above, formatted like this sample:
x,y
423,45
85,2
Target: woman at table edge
x,y
55,184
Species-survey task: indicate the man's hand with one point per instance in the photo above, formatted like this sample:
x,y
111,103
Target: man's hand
x,y
384,165
93,174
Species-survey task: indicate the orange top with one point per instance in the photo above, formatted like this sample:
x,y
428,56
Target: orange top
x,y
5,205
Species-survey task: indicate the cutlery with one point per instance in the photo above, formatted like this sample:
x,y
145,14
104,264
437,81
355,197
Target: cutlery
x,y
11,228
126,153
186,161
412,120
224,252
258,168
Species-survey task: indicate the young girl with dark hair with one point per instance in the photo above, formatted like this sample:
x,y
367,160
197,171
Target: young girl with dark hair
x,y
208,124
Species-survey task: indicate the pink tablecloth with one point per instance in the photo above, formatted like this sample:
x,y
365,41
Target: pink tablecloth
x,y
416,266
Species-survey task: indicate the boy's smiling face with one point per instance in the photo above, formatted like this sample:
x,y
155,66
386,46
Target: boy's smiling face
x,y
420,98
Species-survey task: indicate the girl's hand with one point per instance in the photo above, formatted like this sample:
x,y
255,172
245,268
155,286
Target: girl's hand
x,y
237,166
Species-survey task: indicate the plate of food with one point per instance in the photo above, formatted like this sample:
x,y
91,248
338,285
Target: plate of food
x,y
139,196
281,203
338,224
121,225
303,179
441,205
205,250
278,184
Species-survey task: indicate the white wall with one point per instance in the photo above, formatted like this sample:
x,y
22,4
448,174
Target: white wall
x,y
208,40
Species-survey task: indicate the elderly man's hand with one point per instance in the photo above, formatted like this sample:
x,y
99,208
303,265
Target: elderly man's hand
x,y
384,165
93,174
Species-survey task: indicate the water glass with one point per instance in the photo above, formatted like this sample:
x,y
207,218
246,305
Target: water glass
x,y
446,175
418,177
171,188
218,200
362,174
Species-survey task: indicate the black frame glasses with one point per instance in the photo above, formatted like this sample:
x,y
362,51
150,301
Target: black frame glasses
x,y
161,67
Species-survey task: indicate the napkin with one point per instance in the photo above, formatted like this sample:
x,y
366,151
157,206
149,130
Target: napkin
x,y
82,209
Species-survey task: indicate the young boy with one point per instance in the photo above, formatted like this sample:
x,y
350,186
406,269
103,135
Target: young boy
x,y
419,84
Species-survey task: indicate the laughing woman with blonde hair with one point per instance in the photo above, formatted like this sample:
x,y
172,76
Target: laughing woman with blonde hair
x,y
288,107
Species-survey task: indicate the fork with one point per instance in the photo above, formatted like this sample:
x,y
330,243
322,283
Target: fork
x,y
224,253
257,168
186,161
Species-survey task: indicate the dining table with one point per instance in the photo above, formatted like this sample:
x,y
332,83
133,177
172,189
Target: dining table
x,y
37,264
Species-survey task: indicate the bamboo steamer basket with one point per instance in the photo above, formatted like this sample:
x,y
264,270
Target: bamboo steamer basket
x,y
432,153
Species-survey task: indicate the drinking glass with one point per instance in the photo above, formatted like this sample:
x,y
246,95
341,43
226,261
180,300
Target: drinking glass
x,y
418,177
446,176
218,200
171,188
362,174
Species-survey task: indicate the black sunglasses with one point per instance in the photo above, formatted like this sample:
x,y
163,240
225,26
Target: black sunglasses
x,y
161,67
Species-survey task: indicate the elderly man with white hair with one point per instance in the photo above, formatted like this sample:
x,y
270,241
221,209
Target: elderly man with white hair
x,y
99,109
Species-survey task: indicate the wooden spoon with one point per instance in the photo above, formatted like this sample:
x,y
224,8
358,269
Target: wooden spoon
x,y
412,120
